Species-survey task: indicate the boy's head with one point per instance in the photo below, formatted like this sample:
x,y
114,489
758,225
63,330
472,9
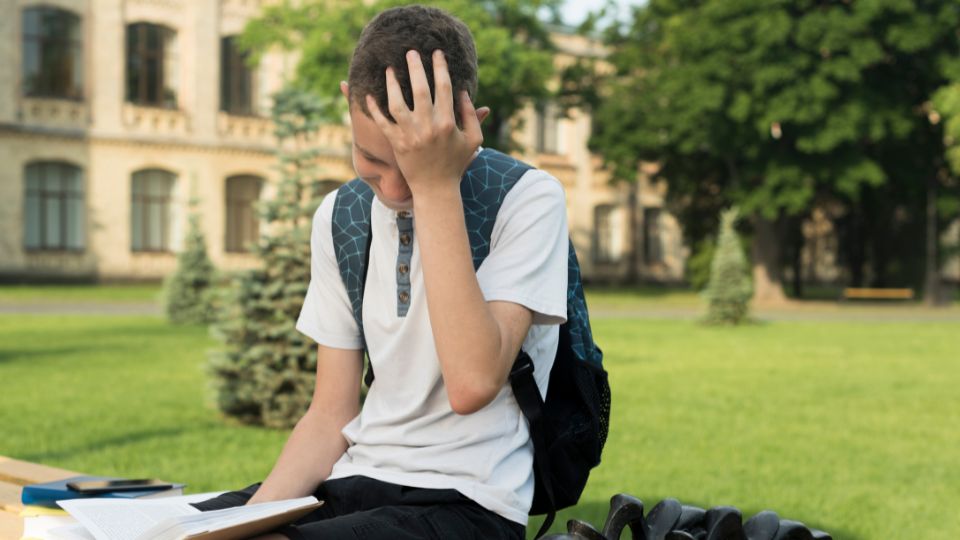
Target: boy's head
x,y
387,38
384,43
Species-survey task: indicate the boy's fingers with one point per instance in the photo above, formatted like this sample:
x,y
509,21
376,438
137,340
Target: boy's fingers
x,y
385,125
395,103
443,88
471,125
418,82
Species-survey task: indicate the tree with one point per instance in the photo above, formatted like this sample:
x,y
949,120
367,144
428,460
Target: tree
x,y
728,292
771,104
513,45
265,372
187,290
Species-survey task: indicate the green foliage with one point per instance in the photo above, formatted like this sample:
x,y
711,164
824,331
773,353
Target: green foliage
x,y
698,265
265,373
771,105
728,292
515,58
187,290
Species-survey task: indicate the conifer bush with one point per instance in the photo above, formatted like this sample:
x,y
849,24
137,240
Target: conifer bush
x,y
187,290
729,290
264,374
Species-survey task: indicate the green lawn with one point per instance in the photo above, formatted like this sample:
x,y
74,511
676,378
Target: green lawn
x,y
850,427
80,293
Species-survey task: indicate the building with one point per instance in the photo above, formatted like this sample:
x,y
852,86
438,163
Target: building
x,y
114,114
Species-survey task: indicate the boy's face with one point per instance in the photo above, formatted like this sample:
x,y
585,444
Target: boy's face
x,y
374,161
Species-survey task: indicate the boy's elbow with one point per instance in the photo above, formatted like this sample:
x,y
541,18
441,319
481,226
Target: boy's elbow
x,y
471,397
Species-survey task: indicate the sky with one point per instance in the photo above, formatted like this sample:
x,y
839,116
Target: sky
x,y
574,11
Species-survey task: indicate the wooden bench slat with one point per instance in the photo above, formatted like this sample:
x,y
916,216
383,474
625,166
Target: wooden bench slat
x,y
865,293
10,497
22,473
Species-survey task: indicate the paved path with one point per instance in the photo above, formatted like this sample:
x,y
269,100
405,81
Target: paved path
x,y
812,311
80,308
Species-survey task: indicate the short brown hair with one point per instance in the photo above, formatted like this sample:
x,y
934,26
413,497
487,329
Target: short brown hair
x,y
387,38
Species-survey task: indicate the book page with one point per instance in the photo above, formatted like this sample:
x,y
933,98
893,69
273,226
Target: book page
x,y
119,519
197,524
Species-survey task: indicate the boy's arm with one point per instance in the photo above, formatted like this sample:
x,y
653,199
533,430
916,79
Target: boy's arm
x,y
476,341
316,442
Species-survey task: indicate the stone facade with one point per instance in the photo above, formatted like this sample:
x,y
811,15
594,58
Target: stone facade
x,y
108,138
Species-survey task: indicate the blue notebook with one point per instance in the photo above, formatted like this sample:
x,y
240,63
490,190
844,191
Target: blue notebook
x,y
47,494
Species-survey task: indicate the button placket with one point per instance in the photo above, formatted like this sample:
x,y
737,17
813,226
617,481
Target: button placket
x,y
404,254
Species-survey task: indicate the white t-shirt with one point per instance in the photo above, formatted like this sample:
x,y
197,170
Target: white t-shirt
x,y
407,433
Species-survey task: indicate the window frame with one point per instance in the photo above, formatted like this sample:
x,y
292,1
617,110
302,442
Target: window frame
x,y
144,198
71,89
161,56
237,242
64,195
234,72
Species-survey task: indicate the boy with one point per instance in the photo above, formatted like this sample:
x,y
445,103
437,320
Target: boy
x,y
440,448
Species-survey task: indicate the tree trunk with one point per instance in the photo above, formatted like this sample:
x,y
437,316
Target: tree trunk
x,y
931,287
765,255
636,249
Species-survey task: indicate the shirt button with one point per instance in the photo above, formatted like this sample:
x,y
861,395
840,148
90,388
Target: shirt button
x,y
405,239
404,297
403,269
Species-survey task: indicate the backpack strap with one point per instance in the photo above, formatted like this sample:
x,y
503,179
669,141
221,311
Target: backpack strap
x,y
488,179
351,245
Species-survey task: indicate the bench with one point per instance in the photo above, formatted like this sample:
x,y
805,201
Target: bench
x,y
14,474
866,293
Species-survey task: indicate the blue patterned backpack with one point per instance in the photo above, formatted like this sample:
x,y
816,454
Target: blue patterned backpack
x,y
569,429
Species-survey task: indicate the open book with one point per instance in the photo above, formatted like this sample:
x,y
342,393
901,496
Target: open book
x,y
176,519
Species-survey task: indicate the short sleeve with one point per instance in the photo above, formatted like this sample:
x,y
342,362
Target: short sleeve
x,y
527,263
326,315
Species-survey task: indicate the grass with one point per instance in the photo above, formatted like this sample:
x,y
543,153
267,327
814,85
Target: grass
x,y
849,427
80,293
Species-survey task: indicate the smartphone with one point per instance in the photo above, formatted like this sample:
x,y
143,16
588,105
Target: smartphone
x,y
108,486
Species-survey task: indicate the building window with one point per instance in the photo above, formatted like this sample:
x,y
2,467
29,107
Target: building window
x,y
547,129
607,234
237,94
53,207
652,236
243,225
52,53
151,210
151,65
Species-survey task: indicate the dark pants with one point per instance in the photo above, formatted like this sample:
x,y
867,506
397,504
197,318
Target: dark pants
x,y
360,507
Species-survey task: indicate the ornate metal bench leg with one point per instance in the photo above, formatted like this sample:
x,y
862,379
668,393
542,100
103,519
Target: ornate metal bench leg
x,y
792,530
762,526
662,518
584,530
692,522
625,510
680,535
724,523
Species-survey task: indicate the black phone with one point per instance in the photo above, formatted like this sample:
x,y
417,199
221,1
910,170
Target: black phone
x,y
108,486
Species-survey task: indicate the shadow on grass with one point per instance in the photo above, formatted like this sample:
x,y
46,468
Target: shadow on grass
x,y
110,442
595,513
14,355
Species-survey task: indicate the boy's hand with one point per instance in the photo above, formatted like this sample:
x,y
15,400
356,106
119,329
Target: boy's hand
x,y
431,151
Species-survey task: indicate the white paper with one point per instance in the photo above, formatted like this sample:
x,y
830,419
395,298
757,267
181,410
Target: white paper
x,y
118,519
164,519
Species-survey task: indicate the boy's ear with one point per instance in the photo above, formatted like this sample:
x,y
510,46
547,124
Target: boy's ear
x,y
482,114
344,89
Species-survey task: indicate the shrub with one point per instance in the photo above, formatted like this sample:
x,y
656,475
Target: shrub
x,y
187,290
729,290
265,372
